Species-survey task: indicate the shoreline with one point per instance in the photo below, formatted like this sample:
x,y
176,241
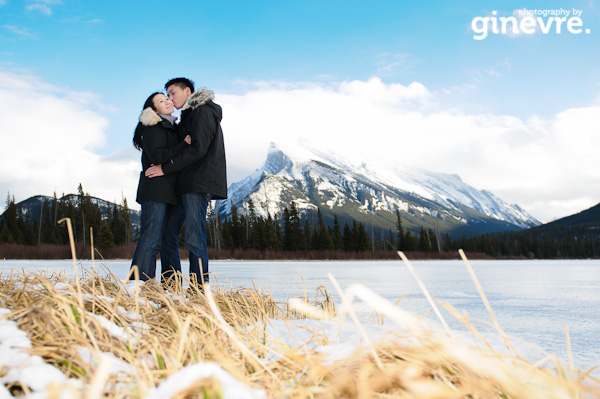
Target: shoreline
x,y
125,252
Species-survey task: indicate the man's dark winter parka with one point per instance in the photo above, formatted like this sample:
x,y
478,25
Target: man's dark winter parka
x,y
201,166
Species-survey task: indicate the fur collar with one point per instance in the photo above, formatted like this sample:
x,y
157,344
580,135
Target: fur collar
x,y
198,98
149,117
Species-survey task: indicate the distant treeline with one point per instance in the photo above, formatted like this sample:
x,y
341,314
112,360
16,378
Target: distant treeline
x,y
291,232
18,226
579,242
287,233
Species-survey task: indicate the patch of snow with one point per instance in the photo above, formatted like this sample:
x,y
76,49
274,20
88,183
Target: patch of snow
x,y
95,358
29,370
187,376
123,334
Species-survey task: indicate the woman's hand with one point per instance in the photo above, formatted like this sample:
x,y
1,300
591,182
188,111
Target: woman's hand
x,y
154,171
188,139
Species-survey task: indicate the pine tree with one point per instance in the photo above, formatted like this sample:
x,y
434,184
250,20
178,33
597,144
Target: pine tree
x,y
5,234
294,238
278,243
9,219
447,243
433,242
424,243
262,233
408,242
323,239
312,236
20,233
235,228
117,227
287,230
219,230
348,238
47,227
106,238
211,240
337,237
267,232
254,229
308,235
399,231
81,211
392,245
228,241
363,240
126,220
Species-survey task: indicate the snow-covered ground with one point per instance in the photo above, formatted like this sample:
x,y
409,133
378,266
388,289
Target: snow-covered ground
x,y
335,338
539,291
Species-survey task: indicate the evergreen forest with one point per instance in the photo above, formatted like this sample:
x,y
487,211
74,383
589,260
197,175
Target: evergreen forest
x,y
287,232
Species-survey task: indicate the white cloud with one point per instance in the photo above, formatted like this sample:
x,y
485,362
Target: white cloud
x,y
94,21
84,21
377,92
43,6
18,30
547,166
389,63
50,137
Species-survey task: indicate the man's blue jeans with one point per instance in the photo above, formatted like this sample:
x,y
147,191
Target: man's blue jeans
x,y
149,243
191,211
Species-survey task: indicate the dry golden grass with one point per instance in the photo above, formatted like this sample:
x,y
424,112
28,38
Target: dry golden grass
x,y
169,331
153,334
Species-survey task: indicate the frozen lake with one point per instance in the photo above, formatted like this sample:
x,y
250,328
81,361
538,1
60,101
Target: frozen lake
x,y
532,300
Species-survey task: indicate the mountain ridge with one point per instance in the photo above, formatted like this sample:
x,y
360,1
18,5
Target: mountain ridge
x,y
371,194
33,205
587,218
365,192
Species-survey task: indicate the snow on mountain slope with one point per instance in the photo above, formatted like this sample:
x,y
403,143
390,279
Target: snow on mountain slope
x,y
313,178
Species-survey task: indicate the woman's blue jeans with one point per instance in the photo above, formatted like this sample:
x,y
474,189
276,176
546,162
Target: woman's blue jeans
x,y
149,243
191,211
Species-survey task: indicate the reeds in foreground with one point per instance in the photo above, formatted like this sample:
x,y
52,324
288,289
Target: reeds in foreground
x,y
100,337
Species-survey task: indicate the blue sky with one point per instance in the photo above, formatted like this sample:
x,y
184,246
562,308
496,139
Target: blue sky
x,y
388,80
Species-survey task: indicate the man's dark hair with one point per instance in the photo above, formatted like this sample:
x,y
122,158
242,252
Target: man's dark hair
x,y
181,82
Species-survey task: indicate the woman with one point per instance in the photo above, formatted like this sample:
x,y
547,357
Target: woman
x,y
156,136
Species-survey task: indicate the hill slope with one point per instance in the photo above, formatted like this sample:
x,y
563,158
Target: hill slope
x,y
587,218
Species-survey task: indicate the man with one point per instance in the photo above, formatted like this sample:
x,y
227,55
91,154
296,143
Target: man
x,y
202,176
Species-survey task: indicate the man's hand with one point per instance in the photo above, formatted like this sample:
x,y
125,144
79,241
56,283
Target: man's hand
x,y
188,139
154,171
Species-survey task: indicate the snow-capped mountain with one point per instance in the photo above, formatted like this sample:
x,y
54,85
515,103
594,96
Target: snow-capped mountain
x,y
371,194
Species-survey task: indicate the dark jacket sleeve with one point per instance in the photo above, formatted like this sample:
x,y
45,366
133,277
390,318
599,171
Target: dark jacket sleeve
x,y
202,128
154,144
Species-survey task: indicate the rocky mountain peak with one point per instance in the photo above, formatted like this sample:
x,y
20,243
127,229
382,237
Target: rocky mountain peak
x,y
366,192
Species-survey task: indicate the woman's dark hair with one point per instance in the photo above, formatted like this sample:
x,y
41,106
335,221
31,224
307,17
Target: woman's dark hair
x,y
137,135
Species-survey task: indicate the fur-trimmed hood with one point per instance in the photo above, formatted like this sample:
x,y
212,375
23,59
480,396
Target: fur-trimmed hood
x,y
198,98
149,117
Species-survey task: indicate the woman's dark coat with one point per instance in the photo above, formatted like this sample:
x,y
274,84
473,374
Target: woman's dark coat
x,y
160,143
